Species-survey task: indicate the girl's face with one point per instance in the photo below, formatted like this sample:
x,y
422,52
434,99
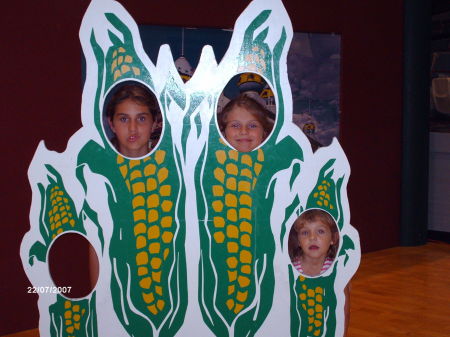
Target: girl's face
x,y
315,238
133,124
243,130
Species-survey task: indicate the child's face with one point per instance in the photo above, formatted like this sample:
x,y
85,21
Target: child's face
x,y
243,130
315,239
133,124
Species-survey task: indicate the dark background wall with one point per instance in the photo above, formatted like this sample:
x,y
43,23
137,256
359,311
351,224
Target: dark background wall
x,y
41,92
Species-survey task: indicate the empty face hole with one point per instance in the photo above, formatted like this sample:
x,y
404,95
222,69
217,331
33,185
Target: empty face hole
x,y
313,242
246,112
132,119
73,265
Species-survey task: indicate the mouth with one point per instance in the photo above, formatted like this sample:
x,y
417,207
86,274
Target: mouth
x,y
313,247
133,138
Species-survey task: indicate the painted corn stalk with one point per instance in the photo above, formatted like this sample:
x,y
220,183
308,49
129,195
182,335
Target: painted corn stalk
x,y
191,237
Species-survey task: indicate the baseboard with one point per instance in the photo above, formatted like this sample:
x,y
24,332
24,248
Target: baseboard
x,y
439,236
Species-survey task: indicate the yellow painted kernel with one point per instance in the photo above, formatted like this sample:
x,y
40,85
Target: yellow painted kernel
x,y
232,275
120,159
140,228
231,183
160,304
149,170
218,221
56,217
219,174
230,304
159,290
58,224
154,248
76,326
217,205
245,213
322,193
67,304
310,328
135,174
320,187
317,323
153,215
310,293
68,314
141,242
319,290
243,281
230,200
127,182
232,262
316,194
319,298
310,302
232,215
310,320
59,231
246,269
319,315
245,256
153,232
260,155
304,286
165,190
233,154
68,322
138,201
136,71
246,227
244,186
76,308
163,173
325,202
138,187
231,289
232,231
120,59
113,65
319,203
242,296
145,283
257,168
159,156
218,190
166,253
319,308
153,201
247,160
317,333
232,169
232,247
302,296
246,240
219,237
221,156
156,276
166,205
123,170
134,162
166,221
238,308
246,173
142,271
310,312
141,258
70,329
148,298
151,184
156,262
167,237
152,309
128,59
65,220
304,306
139,215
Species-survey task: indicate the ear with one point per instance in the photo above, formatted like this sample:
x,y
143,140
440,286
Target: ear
x,y
111,125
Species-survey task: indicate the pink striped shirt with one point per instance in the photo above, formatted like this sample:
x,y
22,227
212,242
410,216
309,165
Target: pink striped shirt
x,y
326,264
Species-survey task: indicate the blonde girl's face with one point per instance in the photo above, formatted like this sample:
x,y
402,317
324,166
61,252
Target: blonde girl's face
x,y
315,238
243,130
133,124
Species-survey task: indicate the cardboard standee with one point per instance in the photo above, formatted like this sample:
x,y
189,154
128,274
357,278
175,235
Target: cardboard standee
x,y
191,238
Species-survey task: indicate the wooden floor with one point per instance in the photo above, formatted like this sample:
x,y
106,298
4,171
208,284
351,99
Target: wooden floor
x,y
402,291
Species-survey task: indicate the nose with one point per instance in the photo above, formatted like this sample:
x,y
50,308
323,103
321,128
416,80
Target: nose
x,y
243,130
132,126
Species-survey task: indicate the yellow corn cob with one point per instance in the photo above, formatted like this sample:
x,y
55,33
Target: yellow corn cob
x,y
322,197
236,176
60,213
311,300
153,223
72,317
121,64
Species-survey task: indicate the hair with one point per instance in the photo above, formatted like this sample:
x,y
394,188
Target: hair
x,y
309,216
252,106
136,92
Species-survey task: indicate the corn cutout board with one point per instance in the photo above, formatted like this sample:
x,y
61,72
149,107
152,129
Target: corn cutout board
x,y
191,238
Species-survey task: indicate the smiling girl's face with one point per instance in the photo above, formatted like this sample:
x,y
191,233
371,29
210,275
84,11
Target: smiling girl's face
x,y
243,130
133,124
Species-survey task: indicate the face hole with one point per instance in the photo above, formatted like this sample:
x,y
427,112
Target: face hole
x,y
313,242
73,264
132,119
246,112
